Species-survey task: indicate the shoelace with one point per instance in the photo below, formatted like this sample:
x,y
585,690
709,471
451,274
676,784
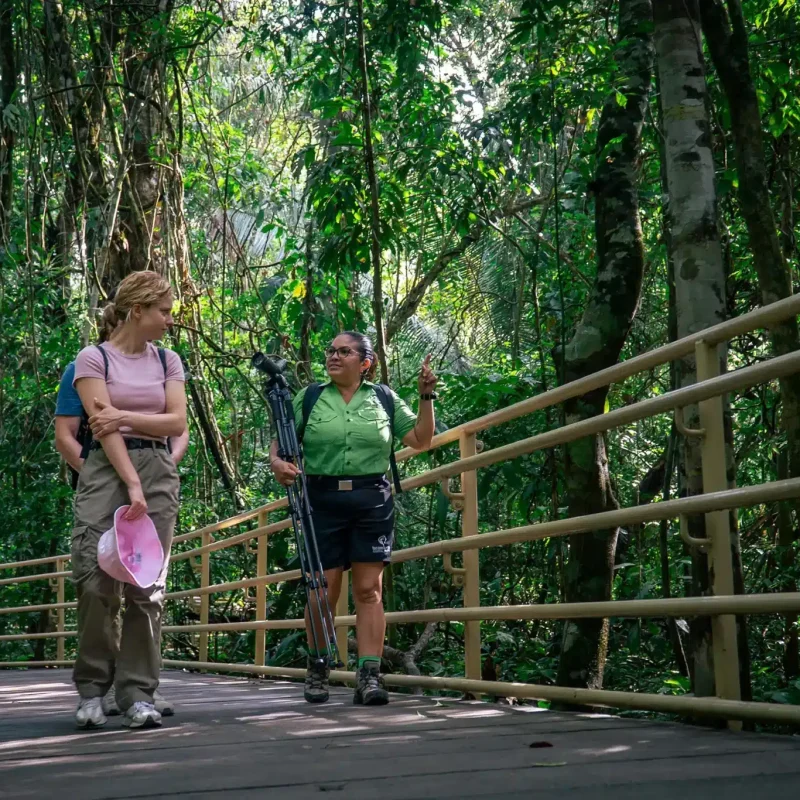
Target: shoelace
x,y
141,706
315,678
372,681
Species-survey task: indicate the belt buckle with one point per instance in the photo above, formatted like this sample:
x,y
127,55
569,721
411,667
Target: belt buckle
x,y
345,486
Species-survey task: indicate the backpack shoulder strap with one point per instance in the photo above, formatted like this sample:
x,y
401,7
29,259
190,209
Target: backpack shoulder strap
x,y
84,431
386,399
313,392
162,354
105,360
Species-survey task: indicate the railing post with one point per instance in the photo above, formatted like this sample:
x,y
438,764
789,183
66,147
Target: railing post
x,y
261,591
472,581
342,609
718,531
205,580
60,567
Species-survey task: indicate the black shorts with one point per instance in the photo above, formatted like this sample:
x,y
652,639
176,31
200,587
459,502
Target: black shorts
x,y
354,526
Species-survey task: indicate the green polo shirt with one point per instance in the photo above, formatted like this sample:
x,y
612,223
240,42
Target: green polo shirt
x,y
350,438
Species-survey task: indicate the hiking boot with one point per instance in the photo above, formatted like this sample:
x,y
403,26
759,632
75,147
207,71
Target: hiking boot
x,y
316,688
142,715
163,706
369,688
110,707
89,713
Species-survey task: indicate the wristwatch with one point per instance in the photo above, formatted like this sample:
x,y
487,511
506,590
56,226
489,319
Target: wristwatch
x,y
431,396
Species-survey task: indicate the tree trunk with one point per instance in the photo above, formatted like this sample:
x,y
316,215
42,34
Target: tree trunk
x,y
70,114
374,208
699,269
726,35
8,85
599,338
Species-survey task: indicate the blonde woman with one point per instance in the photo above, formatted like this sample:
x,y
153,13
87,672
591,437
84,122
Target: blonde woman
x,y
136,400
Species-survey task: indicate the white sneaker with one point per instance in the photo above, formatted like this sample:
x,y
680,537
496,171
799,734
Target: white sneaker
x,y
142,715
110,707
90,713
162,705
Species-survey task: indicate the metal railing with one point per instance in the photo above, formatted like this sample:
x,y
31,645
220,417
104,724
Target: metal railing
x,y
716,503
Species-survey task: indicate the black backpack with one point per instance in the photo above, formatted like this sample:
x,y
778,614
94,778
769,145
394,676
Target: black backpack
x,y
85,432
313,392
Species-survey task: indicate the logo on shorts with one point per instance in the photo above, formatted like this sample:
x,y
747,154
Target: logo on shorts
x,y
384,545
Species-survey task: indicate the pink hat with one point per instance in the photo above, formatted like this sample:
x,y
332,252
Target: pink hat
x,y
131,551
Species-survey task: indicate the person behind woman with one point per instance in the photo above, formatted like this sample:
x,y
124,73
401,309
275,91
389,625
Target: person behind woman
x,y
131,416
346,443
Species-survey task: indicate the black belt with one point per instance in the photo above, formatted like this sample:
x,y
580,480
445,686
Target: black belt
x,y
345,483
135,444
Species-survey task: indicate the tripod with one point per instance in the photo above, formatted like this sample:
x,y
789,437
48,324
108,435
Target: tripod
x,y
312,576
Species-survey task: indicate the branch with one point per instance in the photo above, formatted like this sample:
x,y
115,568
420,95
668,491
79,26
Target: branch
x,y
408,307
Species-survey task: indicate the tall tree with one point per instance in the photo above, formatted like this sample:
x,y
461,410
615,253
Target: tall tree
x,y
726,35
601,333
699,273
374,205
8,87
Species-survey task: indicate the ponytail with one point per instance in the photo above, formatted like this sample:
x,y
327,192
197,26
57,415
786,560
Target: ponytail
x,y
109,323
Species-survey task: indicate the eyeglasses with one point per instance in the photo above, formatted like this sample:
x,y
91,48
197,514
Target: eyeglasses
x,y
342,352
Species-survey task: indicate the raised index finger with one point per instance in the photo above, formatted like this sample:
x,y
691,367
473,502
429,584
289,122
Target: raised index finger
x,y
427,360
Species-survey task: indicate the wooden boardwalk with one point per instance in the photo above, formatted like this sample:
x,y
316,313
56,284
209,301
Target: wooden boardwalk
x,y
233,738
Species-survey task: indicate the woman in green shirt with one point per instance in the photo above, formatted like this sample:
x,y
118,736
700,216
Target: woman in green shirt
x,y
346,445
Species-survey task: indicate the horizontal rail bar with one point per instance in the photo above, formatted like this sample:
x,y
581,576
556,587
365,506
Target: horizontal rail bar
x,y
635,515
18,664
767,370
761,317
699,504
33,562
277,577
615,609
31,609
745,377
21,637
41,577
232,541
230,522
670,704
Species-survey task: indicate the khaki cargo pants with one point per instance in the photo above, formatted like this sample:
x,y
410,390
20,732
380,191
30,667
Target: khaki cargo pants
x,y
130,658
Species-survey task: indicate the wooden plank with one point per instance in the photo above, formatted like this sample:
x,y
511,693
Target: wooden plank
x,y
239,736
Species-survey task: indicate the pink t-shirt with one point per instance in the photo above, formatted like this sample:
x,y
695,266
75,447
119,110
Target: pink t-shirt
x,y
135,382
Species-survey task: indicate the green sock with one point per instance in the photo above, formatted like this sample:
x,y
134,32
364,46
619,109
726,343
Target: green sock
x,y
368,661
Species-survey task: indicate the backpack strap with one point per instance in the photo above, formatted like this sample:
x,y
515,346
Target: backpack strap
x,y
313,392
105,360
162,355
84,431
386,399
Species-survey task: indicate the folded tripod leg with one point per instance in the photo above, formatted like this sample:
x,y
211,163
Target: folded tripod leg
x,y
323,632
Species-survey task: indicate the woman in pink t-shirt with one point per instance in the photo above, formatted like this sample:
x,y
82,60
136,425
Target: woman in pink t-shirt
x,y
135,403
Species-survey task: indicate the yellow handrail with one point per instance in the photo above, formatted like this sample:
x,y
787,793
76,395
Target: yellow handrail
x,y
715,504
